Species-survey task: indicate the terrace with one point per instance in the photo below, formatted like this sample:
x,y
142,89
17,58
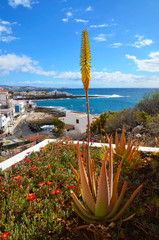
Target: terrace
x,y
36,183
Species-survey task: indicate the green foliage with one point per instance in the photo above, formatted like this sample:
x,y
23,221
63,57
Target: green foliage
x,y
99,126
150,103
100,197
59,126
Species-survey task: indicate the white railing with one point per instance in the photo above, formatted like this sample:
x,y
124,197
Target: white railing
x,y
20,156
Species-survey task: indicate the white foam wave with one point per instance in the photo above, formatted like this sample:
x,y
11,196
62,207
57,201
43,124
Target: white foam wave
x,y
109,96
63,109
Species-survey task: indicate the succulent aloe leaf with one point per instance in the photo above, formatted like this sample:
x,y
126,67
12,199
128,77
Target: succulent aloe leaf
x,y
115,185
118,202
127,204
74,171
116,142
103,195
110,174
93,179
87,195
122,140
82,211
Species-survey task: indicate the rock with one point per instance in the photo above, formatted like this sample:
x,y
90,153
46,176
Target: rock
x,y
138,135
137,129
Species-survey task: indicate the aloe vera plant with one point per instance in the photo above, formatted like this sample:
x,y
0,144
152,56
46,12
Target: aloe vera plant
x,y
100,199
127,152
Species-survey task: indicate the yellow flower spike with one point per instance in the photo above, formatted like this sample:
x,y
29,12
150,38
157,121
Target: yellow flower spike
x,y
85,60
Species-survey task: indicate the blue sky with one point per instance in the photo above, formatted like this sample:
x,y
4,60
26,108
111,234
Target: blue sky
x,y
40,42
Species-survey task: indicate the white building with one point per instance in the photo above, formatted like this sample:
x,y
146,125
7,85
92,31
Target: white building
x,y
77,119
4,97
4,121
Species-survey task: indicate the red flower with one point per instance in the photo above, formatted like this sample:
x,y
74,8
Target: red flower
x,y
82,153
91,141
55,192
13,165
41,148
27,152
49,183
17,178
70,186
40,184
83,145
5,235
39,159
33,168
49,167
31,196
84,163
27,160
0,178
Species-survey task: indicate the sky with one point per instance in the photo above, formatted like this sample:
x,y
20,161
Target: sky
x,y
40,42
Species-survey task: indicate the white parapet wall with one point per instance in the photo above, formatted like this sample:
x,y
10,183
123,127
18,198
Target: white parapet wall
x,y
20,156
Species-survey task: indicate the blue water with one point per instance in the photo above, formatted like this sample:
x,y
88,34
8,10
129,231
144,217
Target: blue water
x,y
113,99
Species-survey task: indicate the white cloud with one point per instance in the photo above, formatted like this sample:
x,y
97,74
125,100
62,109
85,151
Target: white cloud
x,y
109,79
100,38
24,3
89,9
12,62
141,42
149,65
65,19
69,14
8,38
81,20
116,45
6,30
99,26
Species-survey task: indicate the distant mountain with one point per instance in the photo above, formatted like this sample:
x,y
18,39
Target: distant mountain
x,y
19,88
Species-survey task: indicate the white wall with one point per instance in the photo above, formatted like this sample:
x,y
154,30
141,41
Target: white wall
x,y
4,98
72,118
3,121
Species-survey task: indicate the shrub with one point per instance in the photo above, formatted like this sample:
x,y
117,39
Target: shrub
x,y
150,103
59,126
127,117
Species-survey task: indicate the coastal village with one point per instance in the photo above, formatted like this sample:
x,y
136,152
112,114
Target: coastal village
x,y
17,109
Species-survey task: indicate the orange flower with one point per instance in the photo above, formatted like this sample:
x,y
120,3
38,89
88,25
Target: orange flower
x,y
55,192
31,196
17,178
5,235
40,184
49,183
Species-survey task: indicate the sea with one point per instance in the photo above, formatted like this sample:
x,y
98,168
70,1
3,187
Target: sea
x,y
113,99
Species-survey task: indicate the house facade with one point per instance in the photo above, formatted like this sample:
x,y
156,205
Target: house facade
x,y
4,97
77,119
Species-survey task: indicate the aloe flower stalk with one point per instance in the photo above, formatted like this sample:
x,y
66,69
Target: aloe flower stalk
x,y
85,61
101,201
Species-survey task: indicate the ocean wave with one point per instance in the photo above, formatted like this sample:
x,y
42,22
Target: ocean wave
x,y
62,109
109,96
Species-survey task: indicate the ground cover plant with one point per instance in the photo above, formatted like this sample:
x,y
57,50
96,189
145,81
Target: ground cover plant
x,y
36,203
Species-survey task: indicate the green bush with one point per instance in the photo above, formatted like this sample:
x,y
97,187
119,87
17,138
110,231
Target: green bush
x,y
149,104
59,126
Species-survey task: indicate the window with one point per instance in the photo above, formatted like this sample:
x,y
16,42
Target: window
x,y
77,120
